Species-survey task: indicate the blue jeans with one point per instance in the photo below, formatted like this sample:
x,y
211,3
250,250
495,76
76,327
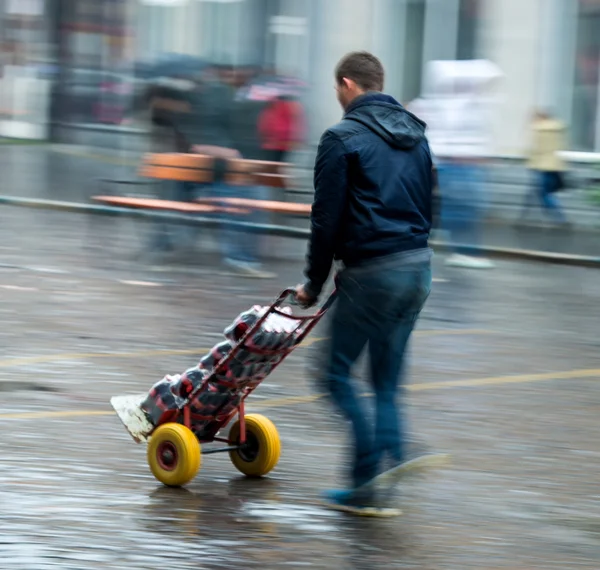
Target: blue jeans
x,y
546,189
461,187
240,246
168,234
378,304
543,189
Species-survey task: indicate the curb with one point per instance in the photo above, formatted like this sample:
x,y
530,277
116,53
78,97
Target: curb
x,y
284,231
527,255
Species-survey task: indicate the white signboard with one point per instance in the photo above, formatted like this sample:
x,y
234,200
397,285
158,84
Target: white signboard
x,y
184,2
165,2
25,7
288,25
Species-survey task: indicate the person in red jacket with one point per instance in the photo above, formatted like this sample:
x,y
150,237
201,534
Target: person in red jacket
x,y
281,128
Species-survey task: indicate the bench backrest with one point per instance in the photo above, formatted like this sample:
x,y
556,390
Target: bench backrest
x,y
200,169
178,166
241,172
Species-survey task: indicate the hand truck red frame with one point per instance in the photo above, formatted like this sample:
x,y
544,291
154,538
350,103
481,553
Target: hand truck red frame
x,y
253,443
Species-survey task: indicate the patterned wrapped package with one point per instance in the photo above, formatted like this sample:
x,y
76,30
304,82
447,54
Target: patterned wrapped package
x,y
218,352
189,381
162,400
244,321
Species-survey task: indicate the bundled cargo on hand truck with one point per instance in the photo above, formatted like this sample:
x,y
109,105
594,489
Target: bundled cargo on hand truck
x,y
183,411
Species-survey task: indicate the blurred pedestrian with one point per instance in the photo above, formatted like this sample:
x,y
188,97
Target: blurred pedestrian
x,y
372,211
422,109
210,132
167,108
547,166
464,122
245,117
281,128
458,108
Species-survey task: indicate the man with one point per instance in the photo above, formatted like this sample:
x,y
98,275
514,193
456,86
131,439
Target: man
x,y
372,211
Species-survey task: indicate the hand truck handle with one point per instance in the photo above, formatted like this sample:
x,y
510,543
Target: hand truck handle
x,y
289,295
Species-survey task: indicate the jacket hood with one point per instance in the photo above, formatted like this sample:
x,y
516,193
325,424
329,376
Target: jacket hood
x,y
388,119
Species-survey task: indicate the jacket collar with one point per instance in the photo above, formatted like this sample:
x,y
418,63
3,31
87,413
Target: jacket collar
x,y
371,97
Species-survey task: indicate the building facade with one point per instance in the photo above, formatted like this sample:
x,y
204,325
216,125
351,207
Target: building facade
x,y
548,50
25,77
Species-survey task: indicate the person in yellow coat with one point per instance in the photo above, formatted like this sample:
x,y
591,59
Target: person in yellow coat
x,y
548,135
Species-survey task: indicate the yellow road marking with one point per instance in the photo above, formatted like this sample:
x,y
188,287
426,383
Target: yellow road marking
x,y
295,400
453,332
312,340
497,380
285,401
27,360
63,414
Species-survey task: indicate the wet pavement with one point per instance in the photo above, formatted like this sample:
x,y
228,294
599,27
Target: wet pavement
x,y
503,375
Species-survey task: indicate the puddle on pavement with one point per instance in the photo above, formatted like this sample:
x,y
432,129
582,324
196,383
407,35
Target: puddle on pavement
x,y
303,517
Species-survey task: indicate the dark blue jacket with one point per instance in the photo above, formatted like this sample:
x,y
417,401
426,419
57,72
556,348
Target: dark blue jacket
x,y
373,187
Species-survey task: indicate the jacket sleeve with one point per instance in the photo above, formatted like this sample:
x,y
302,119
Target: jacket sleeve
x,y
331,180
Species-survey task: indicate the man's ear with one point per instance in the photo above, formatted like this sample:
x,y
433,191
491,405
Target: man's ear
x,y
347,83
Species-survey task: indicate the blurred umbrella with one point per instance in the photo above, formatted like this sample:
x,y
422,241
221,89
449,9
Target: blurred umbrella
x,y
167,81
443,76
164,2
175,65
270,87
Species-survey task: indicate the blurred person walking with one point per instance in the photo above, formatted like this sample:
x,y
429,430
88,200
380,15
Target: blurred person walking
x,y
281,128
210,131
422,109
246,114
547,167
167,107
460,137
372,211
461,171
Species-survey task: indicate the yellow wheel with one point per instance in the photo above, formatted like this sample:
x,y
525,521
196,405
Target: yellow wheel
x,y
262,449
173,454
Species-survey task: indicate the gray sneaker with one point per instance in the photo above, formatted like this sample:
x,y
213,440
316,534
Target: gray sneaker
x,y
347,501
390,478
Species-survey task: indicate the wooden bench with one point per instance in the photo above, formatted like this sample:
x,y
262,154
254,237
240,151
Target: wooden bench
x,y
200,169
179,167
275,207
242,172
159,168
169,205
167,167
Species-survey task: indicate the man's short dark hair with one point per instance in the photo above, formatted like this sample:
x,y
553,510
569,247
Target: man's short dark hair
x,y
363,68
